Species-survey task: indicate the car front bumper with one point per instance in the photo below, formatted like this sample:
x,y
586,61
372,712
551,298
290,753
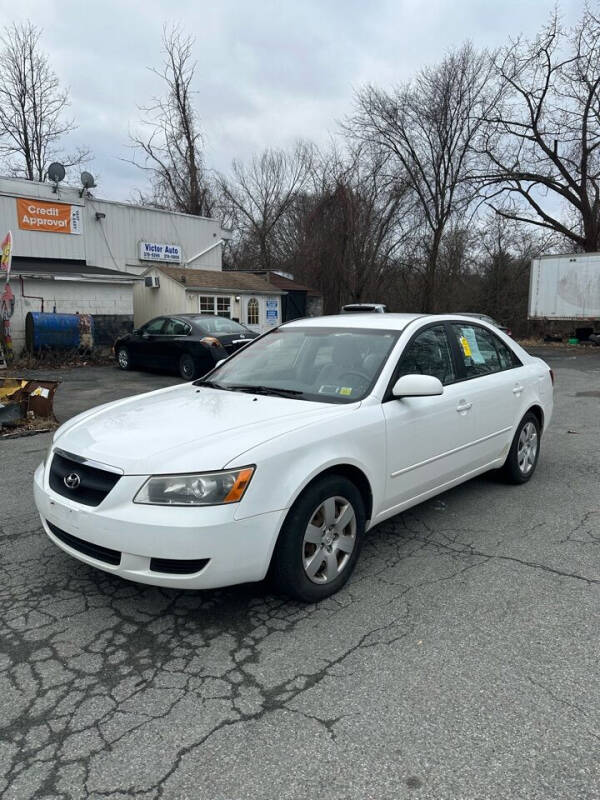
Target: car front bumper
x,y
238,550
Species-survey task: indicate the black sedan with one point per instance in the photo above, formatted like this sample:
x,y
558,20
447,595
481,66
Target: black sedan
x,y
189,343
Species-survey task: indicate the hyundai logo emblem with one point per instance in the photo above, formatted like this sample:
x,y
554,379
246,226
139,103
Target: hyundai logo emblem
x,y
72,480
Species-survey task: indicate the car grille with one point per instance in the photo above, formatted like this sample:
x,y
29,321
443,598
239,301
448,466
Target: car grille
x,y
94,483
96,551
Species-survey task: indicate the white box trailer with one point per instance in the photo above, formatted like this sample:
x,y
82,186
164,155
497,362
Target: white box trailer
x,y
565,287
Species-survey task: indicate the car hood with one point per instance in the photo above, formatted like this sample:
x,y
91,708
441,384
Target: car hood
x,y
185,428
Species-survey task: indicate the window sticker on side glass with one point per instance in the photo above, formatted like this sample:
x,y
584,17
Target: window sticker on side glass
x,y
474,351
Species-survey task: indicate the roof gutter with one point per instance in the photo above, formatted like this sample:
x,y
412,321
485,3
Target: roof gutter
x,y
266,290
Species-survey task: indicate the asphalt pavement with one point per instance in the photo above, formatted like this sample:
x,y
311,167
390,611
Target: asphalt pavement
x,y
460,662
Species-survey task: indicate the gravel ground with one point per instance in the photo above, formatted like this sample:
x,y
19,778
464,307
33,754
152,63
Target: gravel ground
x,y
461,661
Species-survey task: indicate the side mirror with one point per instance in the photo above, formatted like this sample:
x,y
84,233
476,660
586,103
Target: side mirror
x,y
417,386
136,331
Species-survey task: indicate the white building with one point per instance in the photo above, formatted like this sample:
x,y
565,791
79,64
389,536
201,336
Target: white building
x,y
74,253
241,296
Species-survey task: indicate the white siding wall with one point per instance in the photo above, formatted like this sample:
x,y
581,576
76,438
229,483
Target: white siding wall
x,y
124,227
68,297
112,241
170,298
265,303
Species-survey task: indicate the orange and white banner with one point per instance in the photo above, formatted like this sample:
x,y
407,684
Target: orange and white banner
x,y
37,215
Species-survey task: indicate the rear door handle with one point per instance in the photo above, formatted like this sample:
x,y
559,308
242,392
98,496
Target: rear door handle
x,y
517,388
463,406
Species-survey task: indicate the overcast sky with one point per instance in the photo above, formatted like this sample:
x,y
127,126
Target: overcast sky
x,y
267,73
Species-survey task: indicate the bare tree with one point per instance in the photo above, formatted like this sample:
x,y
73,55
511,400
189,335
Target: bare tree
x,y
170,145
349,230
429,127
256,198
32,106
543,142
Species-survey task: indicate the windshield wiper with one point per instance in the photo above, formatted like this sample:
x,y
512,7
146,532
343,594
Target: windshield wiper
x,y
212,385
242,387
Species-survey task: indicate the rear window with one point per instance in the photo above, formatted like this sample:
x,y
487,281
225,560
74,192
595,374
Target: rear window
x,y
222,325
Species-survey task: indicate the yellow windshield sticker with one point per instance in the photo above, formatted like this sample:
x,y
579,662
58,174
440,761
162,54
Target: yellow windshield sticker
x,y
346,390
465,346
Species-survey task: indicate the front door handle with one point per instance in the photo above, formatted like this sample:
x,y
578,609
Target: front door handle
x,y
463,406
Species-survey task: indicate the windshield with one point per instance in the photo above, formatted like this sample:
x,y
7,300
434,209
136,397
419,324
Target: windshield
x,y
318,364
220,325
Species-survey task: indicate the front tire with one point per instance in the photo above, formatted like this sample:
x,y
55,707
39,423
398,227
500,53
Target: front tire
x,y
187,367
320,540
524,451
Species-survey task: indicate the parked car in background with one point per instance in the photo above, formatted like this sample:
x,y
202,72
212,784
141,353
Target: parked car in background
x,y
487,319
190,344
361,308
282,458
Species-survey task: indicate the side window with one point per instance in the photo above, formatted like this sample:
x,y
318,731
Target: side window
x,y
176,327
429,354
477,348
154,326
508,360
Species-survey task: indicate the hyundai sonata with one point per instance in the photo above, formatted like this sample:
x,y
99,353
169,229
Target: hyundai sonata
x,y
280,459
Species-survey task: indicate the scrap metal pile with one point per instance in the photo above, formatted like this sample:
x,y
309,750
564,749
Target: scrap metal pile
x,y
26,406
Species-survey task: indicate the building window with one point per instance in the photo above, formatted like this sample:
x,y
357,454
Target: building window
x,y
219,306
253,311
224,307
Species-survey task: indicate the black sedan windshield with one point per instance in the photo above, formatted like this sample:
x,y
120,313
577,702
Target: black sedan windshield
x,y
319,364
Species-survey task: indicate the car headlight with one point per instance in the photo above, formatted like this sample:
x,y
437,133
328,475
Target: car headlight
x,y
205,489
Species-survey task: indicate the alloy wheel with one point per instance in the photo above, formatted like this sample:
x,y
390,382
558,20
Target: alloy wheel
x,y
527,448
329,540
123,358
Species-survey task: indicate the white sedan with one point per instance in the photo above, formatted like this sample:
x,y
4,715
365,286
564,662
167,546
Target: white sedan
x,y
282,458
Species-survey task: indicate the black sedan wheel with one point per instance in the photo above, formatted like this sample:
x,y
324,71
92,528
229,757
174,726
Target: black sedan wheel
x,y
123,358
187,367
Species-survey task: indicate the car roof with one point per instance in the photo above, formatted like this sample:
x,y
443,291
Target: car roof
x,y
386,322
365,320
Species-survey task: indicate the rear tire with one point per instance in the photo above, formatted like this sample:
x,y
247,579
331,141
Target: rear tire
x,y
524,451
187,367
123,358
320,540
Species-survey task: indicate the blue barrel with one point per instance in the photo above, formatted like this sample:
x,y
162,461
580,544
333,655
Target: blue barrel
x,y
58,331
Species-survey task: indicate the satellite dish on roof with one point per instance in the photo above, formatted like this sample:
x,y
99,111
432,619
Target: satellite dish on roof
x,y
87,182
56,172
